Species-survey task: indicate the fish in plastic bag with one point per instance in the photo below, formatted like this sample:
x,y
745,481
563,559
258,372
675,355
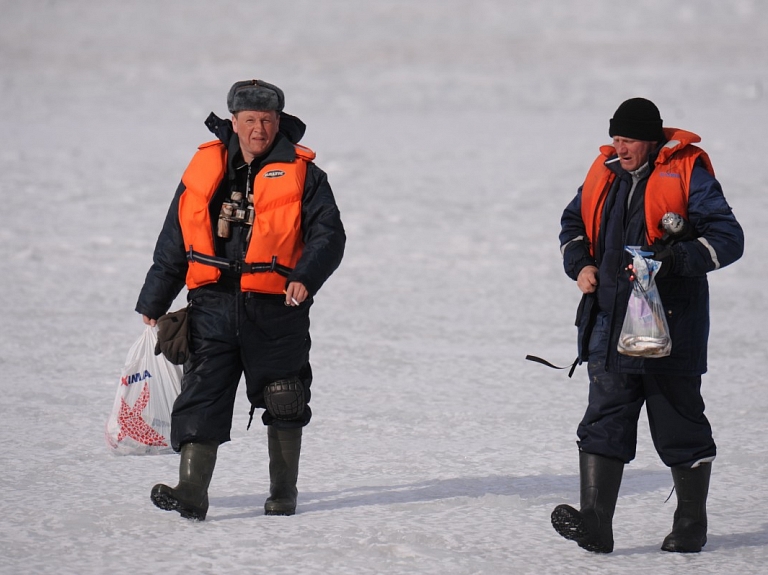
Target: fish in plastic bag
x,y
645,332
140,421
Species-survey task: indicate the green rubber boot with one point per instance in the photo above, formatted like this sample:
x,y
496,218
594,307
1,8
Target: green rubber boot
x,y
284,450
689,529
190,496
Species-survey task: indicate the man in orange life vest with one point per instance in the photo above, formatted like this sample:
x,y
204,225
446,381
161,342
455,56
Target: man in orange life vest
x,y
253,231
647,172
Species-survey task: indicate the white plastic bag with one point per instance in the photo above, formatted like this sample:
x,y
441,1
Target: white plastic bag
x,y
140,422
645,332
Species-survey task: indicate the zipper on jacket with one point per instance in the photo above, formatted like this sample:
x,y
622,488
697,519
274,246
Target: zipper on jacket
x,y
245,237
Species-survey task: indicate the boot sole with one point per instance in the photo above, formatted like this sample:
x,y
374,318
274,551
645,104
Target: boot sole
x,y
680,549
280,506
283,513
677,547
169,503
569,523
274,508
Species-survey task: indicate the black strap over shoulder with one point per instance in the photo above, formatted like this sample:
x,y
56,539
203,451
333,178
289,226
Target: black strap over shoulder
x,y
238,266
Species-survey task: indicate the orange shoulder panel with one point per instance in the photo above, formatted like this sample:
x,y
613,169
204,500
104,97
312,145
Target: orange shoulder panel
x,y
201,178
669,183
593,194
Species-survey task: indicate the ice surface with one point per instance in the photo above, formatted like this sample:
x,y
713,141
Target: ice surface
x,y
453,132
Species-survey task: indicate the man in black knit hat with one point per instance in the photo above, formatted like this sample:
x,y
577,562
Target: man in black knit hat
x,y
649,172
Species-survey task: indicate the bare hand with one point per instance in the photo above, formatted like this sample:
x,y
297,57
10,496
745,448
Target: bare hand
x,y
587,280
295,294
148,321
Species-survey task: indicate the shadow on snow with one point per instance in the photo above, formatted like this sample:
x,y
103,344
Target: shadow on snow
x,y
553,488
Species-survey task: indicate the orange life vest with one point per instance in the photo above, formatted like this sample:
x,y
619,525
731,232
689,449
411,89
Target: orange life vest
x,y
276,240
666,191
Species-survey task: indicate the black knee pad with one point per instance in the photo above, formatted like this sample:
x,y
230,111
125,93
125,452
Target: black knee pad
x,y
284,398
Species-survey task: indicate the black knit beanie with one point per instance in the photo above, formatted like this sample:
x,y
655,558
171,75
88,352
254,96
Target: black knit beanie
x,y
638,119
255,95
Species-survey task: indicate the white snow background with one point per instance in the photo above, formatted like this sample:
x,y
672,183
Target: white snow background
x,y
454,132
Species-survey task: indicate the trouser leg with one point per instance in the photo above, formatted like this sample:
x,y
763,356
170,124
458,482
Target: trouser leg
x,y
203,409
609,425
275,345
681,432
683,438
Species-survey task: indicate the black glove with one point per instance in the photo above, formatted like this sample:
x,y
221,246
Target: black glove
x,y
661,253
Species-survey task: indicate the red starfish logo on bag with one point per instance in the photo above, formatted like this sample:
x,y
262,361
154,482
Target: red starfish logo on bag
x,y
132,424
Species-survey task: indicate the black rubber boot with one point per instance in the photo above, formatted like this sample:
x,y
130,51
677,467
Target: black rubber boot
x,y
591,526
689,530
190,496
284,451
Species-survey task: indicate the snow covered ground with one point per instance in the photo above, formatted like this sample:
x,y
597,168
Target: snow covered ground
x,y
454,132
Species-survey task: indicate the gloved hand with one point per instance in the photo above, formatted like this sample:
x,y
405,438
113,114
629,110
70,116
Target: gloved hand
x,y
661,253
676,229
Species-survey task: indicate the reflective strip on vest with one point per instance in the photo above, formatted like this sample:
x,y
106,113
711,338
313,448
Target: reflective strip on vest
x,y
276,235
666,191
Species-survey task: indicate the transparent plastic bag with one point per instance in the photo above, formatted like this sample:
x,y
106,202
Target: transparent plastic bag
x,y
140,421
645,332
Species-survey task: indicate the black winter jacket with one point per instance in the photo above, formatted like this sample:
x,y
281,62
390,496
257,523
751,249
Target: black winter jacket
x,y
684,291
322,229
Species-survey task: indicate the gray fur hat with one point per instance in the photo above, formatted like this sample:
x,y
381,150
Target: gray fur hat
x,y
255,95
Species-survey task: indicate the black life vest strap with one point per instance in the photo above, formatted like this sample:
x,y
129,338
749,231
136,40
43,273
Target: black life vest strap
x,y
238,267
250,417
545,362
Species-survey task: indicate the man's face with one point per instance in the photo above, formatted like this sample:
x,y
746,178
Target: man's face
x,y
632,153
256,131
